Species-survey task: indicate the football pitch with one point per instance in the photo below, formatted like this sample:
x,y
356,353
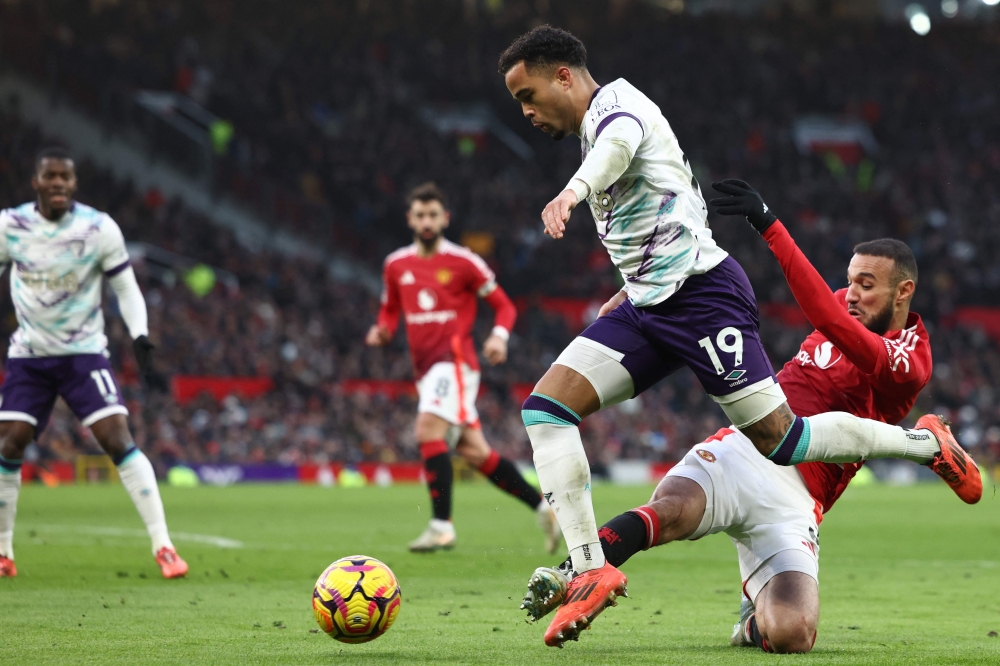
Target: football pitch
x,y
908,576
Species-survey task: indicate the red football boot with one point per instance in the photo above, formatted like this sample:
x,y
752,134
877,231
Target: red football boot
x,y
588,594
7,568
952,463
171,563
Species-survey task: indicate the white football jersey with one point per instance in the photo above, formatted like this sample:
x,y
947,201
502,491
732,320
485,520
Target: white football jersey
x,y
652,219
55,278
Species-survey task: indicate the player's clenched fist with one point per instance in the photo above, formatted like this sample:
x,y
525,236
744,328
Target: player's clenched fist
x,y
378,336
495,350
556,213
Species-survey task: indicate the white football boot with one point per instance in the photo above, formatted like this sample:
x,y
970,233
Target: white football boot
x,y
741,630
546,590
547,521
439,535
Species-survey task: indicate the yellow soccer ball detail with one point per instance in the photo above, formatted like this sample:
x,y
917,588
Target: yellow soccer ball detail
x,y
356,599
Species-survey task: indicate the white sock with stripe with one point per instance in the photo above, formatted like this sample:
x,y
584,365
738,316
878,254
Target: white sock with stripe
x,y
564,475
139,479
841,437
10,488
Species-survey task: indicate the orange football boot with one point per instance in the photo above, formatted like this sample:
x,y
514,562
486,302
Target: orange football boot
x,y
588,594
7,568
171,563
952,463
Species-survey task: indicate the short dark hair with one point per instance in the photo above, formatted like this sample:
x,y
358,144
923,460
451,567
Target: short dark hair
x,y
427,192
904,263
52,153
544,46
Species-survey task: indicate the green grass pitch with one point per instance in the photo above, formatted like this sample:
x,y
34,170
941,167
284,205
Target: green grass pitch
x,y
908,576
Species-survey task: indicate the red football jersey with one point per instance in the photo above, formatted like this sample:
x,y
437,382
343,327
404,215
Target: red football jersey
x,y
844,367
437,296
821,378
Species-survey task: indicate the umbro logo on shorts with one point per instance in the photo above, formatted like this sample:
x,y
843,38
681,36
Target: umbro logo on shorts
x,y
734,375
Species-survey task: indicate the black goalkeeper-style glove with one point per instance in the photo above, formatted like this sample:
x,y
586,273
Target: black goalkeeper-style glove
x,y
143,349
743,200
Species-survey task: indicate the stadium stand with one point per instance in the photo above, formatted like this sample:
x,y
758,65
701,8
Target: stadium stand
x,y
333,166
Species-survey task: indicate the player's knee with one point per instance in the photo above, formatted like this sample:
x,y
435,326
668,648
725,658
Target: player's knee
x,y
14,438
113,435
430,427
569,389
792,637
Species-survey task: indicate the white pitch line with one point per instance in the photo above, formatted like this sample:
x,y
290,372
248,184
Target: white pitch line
x,y
209,539
982,564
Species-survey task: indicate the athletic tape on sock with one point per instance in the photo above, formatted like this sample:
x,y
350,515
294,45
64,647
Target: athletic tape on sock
x,y
794,445
538,409
125,456
10,465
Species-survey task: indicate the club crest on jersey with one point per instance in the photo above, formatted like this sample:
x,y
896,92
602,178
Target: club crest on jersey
x,y
426,299
407,278
77,247
443,275
823,355
705,455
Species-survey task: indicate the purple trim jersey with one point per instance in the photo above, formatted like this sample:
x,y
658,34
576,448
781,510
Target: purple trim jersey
x,y
56,269
652,220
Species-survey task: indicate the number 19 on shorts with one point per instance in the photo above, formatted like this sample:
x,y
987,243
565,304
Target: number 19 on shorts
x,y
730,341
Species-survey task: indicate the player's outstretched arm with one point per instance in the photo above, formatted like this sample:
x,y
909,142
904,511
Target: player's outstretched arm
x,y
819,304
616,145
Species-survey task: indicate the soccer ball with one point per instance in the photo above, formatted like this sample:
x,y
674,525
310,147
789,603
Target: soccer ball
x,y
356,599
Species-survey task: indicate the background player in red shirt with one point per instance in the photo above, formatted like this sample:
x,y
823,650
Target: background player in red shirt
x,y
435,284
869,356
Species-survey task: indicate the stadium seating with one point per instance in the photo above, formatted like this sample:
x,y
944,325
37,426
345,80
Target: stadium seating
x,y
334,167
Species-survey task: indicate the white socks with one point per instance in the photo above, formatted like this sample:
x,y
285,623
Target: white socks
x,y
137,476
10,488
842,437
564,474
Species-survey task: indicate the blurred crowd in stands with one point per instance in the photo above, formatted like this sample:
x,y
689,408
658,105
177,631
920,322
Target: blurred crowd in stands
x,y
329,103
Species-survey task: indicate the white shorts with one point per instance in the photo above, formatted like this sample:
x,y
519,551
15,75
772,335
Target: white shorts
x,y
449,394
764,508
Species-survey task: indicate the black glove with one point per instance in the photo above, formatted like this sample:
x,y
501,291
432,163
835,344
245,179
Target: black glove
x,y
143,349
743,200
